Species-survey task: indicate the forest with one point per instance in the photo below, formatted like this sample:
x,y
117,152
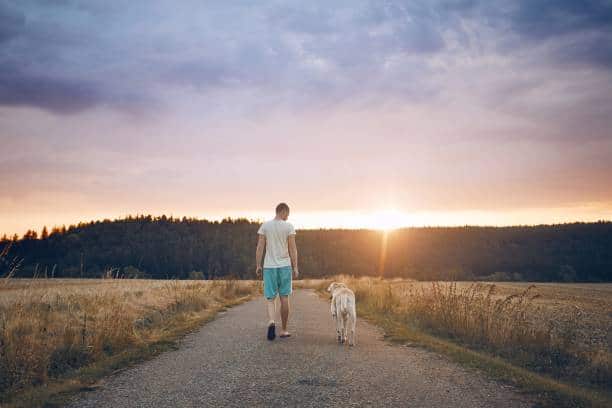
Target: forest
x,y
185,248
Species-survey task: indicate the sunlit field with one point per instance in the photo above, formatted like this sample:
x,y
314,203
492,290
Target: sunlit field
x,y
53,330
50,328
562,331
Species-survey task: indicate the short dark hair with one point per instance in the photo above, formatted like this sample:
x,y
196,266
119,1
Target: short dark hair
x,y
282,207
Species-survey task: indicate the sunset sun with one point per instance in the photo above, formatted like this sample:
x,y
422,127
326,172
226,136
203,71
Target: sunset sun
x,y
388,219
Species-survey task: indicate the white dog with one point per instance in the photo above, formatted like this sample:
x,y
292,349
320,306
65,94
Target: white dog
x,y
343,311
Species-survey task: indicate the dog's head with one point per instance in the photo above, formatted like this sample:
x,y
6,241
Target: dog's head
x,y
335,285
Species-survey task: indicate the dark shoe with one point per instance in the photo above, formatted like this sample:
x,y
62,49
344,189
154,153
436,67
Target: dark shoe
x,y
271,332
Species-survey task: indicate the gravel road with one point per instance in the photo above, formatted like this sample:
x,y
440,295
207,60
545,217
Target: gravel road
x,y
229,363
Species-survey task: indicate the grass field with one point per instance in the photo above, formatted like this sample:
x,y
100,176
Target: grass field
x,y
58,335
61,334
552,339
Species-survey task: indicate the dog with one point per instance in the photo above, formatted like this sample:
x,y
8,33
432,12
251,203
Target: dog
x,y
343,312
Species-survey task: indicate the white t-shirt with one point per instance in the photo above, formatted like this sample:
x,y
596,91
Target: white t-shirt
x,y
277,250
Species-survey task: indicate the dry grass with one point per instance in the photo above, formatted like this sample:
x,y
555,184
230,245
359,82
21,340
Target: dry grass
x,y
562,331
50,328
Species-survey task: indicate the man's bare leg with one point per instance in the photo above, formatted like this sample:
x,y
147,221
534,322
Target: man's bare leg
x,y
271,307
284,314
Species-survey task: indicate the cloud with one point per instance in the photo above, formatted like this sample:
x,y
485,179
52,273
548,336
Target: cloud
x,y
592,49
11,23
578,33
58,95
69,57
542,19
81,56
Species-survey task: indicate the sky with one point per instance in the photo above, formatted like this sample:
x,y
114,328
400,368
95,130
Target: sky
x,y
355,113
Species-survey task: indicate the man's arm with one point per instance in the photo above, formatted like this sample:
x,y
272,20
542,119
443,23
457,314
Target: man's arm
x,y
293,254
261,245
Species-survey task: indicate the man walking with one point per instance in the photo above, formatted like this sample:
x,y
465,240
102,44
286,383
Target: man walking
x,y
277,237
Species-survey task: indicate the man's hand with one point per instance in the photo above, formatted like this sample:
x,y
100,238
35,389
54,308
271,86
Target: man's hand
x,y
261,245
293,255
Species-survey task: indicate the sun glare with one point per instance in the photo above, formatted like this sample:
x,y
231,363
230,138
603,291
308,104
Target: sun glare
x,y
388,220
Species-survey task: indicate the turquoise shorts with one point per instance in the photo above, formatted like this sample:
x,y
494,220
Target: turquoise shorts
x,y
277,281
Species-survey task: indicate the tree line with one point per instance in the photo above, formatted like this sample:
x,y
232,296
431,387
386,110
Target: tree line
x,y
182,248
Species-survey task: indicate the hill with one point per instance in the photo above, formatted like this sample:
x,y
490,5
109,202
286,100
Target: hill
x,y
166,247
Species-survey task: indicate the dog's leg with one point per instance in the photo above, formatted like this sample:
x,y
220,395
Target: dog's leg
x,y
334,313
339,327
333,308
352,324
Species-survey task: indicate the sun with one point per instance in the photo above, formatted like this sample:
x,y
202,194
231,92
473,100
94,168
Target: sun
x,y
388,219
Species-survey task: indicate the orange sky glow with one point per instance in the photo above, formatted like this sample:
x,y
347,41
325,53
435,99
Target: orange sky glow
x,y
382,219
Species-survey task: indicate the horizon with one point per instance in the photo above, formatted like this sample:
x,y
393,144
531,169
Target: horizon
x,y
358,114
339,226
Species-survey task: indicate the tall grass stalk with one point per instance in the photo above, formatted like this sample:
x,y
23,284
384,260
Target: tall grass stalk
x,y
511,326
50,328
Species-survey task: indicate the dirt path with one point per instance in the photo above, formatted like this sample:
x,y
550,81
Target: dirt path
x,y
229,363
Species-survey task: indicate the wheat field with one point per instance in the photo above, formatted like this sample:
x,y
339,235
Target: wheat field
x,y
51,327
560,330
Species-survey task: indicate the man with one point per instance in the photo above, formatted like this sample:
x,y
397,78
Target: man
x,y
277,237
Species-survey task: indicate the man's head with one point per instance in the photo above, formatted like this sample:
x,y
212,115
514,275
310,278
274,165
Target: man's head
x,y
282,211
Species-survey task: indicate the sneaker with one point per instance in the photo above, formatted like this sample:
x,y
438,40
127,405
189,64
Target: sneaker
x,y
271,332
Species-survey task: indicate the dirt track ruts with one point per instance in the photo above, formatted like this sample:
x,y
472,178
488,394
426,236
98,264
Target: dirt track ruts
x,y
229,363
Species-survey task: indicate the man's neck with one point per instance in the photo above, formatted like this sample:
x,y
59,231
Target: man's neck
x,y
278,218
